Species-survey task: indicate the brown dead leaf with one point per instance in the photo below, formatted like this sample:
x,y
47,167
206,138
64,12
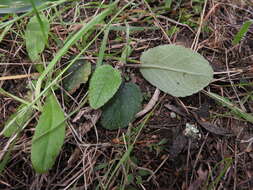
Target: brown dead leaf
x,y
178,146
205,124
202,175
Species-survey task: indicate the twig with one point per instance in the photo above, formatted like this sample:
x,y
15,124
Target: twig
x,y
152,175
18,76
156,21
150,104
196,39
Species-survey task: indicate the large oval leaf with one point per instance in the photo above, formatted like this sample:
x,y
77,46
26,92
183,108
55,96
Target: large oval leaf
x,y
49,136
176,70
121,109
35,38
104,84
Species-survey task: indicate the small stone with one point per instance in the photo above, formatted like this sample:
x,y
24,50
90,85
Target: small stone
x,y
173,115
192,131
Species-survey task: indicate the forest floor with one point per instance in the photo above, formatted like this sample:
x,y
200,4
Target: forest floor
x,y
162,157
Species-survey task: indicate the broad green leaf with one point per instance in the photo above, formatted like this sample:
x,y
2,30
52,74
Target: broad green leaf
x,y
176,70
35,37
244,29
17,120
49,136
104,84
121,109
77,74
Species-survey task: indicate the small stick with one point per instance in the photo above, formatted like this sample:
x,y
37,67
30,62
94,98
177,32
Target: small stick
x,y
18,76
150,104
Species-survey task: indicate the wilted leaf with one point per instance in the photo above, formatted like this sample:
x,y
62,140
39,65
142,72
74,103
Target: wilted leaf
x,y
179,144
17,120
202,176
176,70
49,136
36,37
104,84
77,74
121,109
215,129
205,124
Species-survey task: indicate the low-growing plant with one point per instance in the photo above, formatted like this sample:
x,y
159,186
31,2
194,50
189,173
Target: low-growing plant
x,y
174,69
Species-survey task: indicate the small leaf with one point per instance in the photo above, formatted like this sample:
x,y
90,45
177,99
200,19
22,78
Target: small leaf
x,y
49,136
77,73
17,120
176,70
35,37
121,109
104,84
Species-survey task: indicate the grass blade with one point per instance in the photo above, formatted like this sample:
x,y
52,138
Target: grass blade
x,y
244,29
225,102
103,47
99,18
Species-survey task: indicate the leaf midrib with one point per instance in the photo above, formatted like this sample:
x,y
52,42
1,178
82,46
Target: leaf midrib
x,y
150,66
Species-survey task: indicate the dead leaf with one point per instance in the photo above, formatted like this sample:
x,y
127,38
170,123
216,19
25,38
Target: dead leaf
x,y
202,175
212,127
178,146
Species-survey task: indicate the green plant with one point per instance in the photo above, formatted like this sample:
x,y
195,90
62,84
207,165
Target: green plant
x,y
173,69
176,70
18,6
243,30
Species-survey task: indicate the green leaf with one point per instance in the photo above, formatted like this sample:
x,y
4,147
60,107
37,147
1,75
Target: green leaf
x,y
104,84
35,37
49,136
17,120
168,3
244,29
77,74
176,70
17,6
6,157
122,108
